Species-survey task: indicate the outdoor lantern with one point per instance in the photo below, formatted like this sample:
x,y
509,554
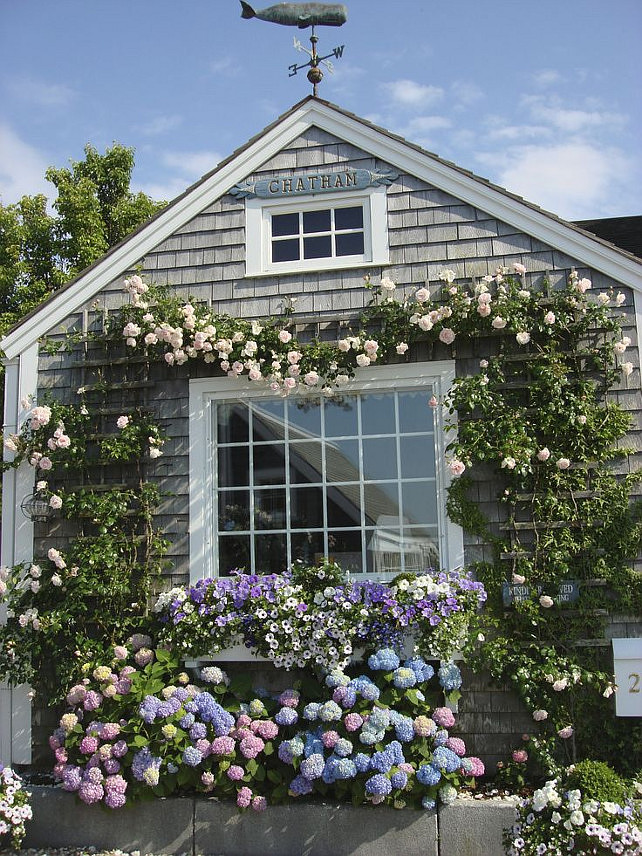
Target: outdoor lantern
x,y
36,508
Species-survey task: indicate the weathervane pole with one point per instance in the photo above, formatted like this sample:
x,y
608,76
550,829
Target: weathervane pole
x,y
304,15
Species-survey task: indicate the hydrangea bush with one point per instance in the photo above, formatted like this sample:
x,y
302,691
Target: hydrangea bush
x,y
138,726
560,822
315,617
14,808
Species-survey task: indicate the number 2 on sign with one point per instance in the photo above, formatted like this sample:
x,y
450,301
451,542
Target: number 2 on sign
x,y
634,686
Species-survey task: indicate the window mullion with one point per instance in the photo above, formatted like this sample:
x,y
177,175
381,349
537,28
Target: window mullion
x,y
250,422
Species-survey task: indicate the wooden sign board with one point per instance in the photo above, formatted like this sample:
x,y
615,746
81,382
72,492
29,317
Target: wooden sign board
x,y
568,592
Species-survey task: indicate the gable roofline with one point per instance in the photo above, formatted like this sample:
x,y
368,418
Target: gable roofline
x,y
589,250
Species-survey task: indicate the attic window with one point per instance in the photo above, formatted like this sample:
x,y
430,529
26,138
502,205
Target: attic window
x,y
316,232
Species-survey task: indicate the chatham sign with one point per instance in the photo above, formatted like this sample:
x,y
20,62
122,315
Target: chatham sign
x,y
322,182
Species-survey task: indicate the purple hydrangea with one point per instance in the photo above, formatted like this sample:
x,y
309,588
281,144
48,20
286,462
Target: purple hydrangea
x,y
191,756
312,767
286,716
428,775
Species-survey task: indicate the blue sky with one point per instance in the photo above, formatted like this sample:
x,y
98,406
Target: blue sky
x,y
542,98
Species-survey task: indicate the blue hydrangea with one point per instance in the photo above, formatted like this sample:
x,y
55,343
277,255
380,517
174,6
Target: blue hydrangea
x,y
428,775
449,677
404,729
312,767
187,721
192,756
343,748
311,711
445,759
142,761
369,736
399,779
396,752
384,660
198,731
362,762
313,744
211,711
440,737
300,786
329,771
466,766
378,785
382,761
365,687
428,803
148,709
379,718
345,768
336,678
286,716
423,670
404,678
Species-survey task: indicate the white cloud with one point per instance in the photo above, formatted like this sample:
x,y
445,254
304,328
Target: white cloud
x,y
22,168
191,164
572,180
159,190
40,93
516,133
409,93
160,125
572,121
423,124
227,66
546,77
466,93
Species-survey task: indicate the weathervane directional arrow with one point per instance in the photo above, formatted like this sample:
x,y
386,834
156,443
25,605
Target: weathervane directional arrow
x,y
304,15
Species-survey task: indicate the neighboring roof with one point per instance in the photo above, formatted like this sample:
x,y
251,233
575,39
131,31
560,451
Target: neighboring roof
x,y
588,250
623,232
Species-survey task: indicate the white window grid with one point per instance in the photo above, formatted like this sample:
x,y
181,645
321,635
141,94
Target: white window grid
x,y
301,234
205,393
258,232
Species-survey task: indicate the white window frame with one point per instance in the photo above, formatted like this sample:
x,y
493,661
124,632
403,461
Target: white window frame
x,y
203,392
258,233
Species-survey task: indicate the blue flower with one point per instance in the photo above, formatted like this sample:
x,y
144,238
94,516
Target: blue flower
x,y
428,803
428,775
336,678
300,786
404,678
192,756
286,716
445,759
345,769
449,677
404,729
362,762
423,670
343,748
384,660
311,711
378,785
399,779
329,711
365,687
312,767
187,721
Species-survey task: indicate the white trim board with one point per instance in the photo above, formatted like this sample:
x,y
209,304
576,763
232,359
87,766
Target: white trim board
x,y
587,251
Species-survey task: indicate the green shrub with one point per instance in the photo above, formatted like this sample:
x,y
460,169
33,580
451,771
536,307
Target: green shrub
x,y
596,780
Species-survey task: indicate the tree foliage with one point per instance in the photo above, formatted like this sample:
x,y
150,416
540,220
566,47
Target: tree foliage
x,y
95,209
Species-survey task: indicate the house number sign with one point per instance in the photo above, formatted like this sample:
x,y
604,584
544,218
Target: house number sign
x,y
321,182
627,660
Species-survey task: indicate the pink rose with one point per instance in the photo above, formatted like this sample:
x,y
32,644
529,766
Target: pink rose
x,y
422,295
540,715
549,318
284,336
520,270
122,422
484,310
563,463
401,348
447,336
546,601
543,455
566,732
520,756
456,467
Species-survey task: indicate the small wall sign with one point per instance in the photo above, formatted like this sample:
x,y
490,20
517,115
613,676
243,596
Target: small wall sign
x,y
321,182
627,661
568,592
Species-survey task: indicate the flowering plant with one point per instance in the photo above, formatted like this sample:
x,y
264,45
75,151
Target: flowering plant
x,y
138,725
311,616
564,822
14,807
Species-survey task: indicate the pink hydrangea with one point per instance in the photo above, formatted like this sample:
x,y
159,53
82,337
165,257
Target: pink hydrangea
x,y
251,746
244,797
235,773
222,745
353,721
457,745
267,729
89,745
289,698
330,739
477,767
424,726
444,717
520,756
259,803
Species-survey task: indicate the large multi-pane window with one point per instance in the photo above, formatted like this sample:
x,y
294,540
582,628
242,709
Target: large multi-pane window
x,y
320,233
355,478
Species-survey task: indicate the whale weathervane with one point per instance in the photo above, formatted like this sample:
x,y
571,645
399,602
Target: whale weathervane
x,y
304,15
